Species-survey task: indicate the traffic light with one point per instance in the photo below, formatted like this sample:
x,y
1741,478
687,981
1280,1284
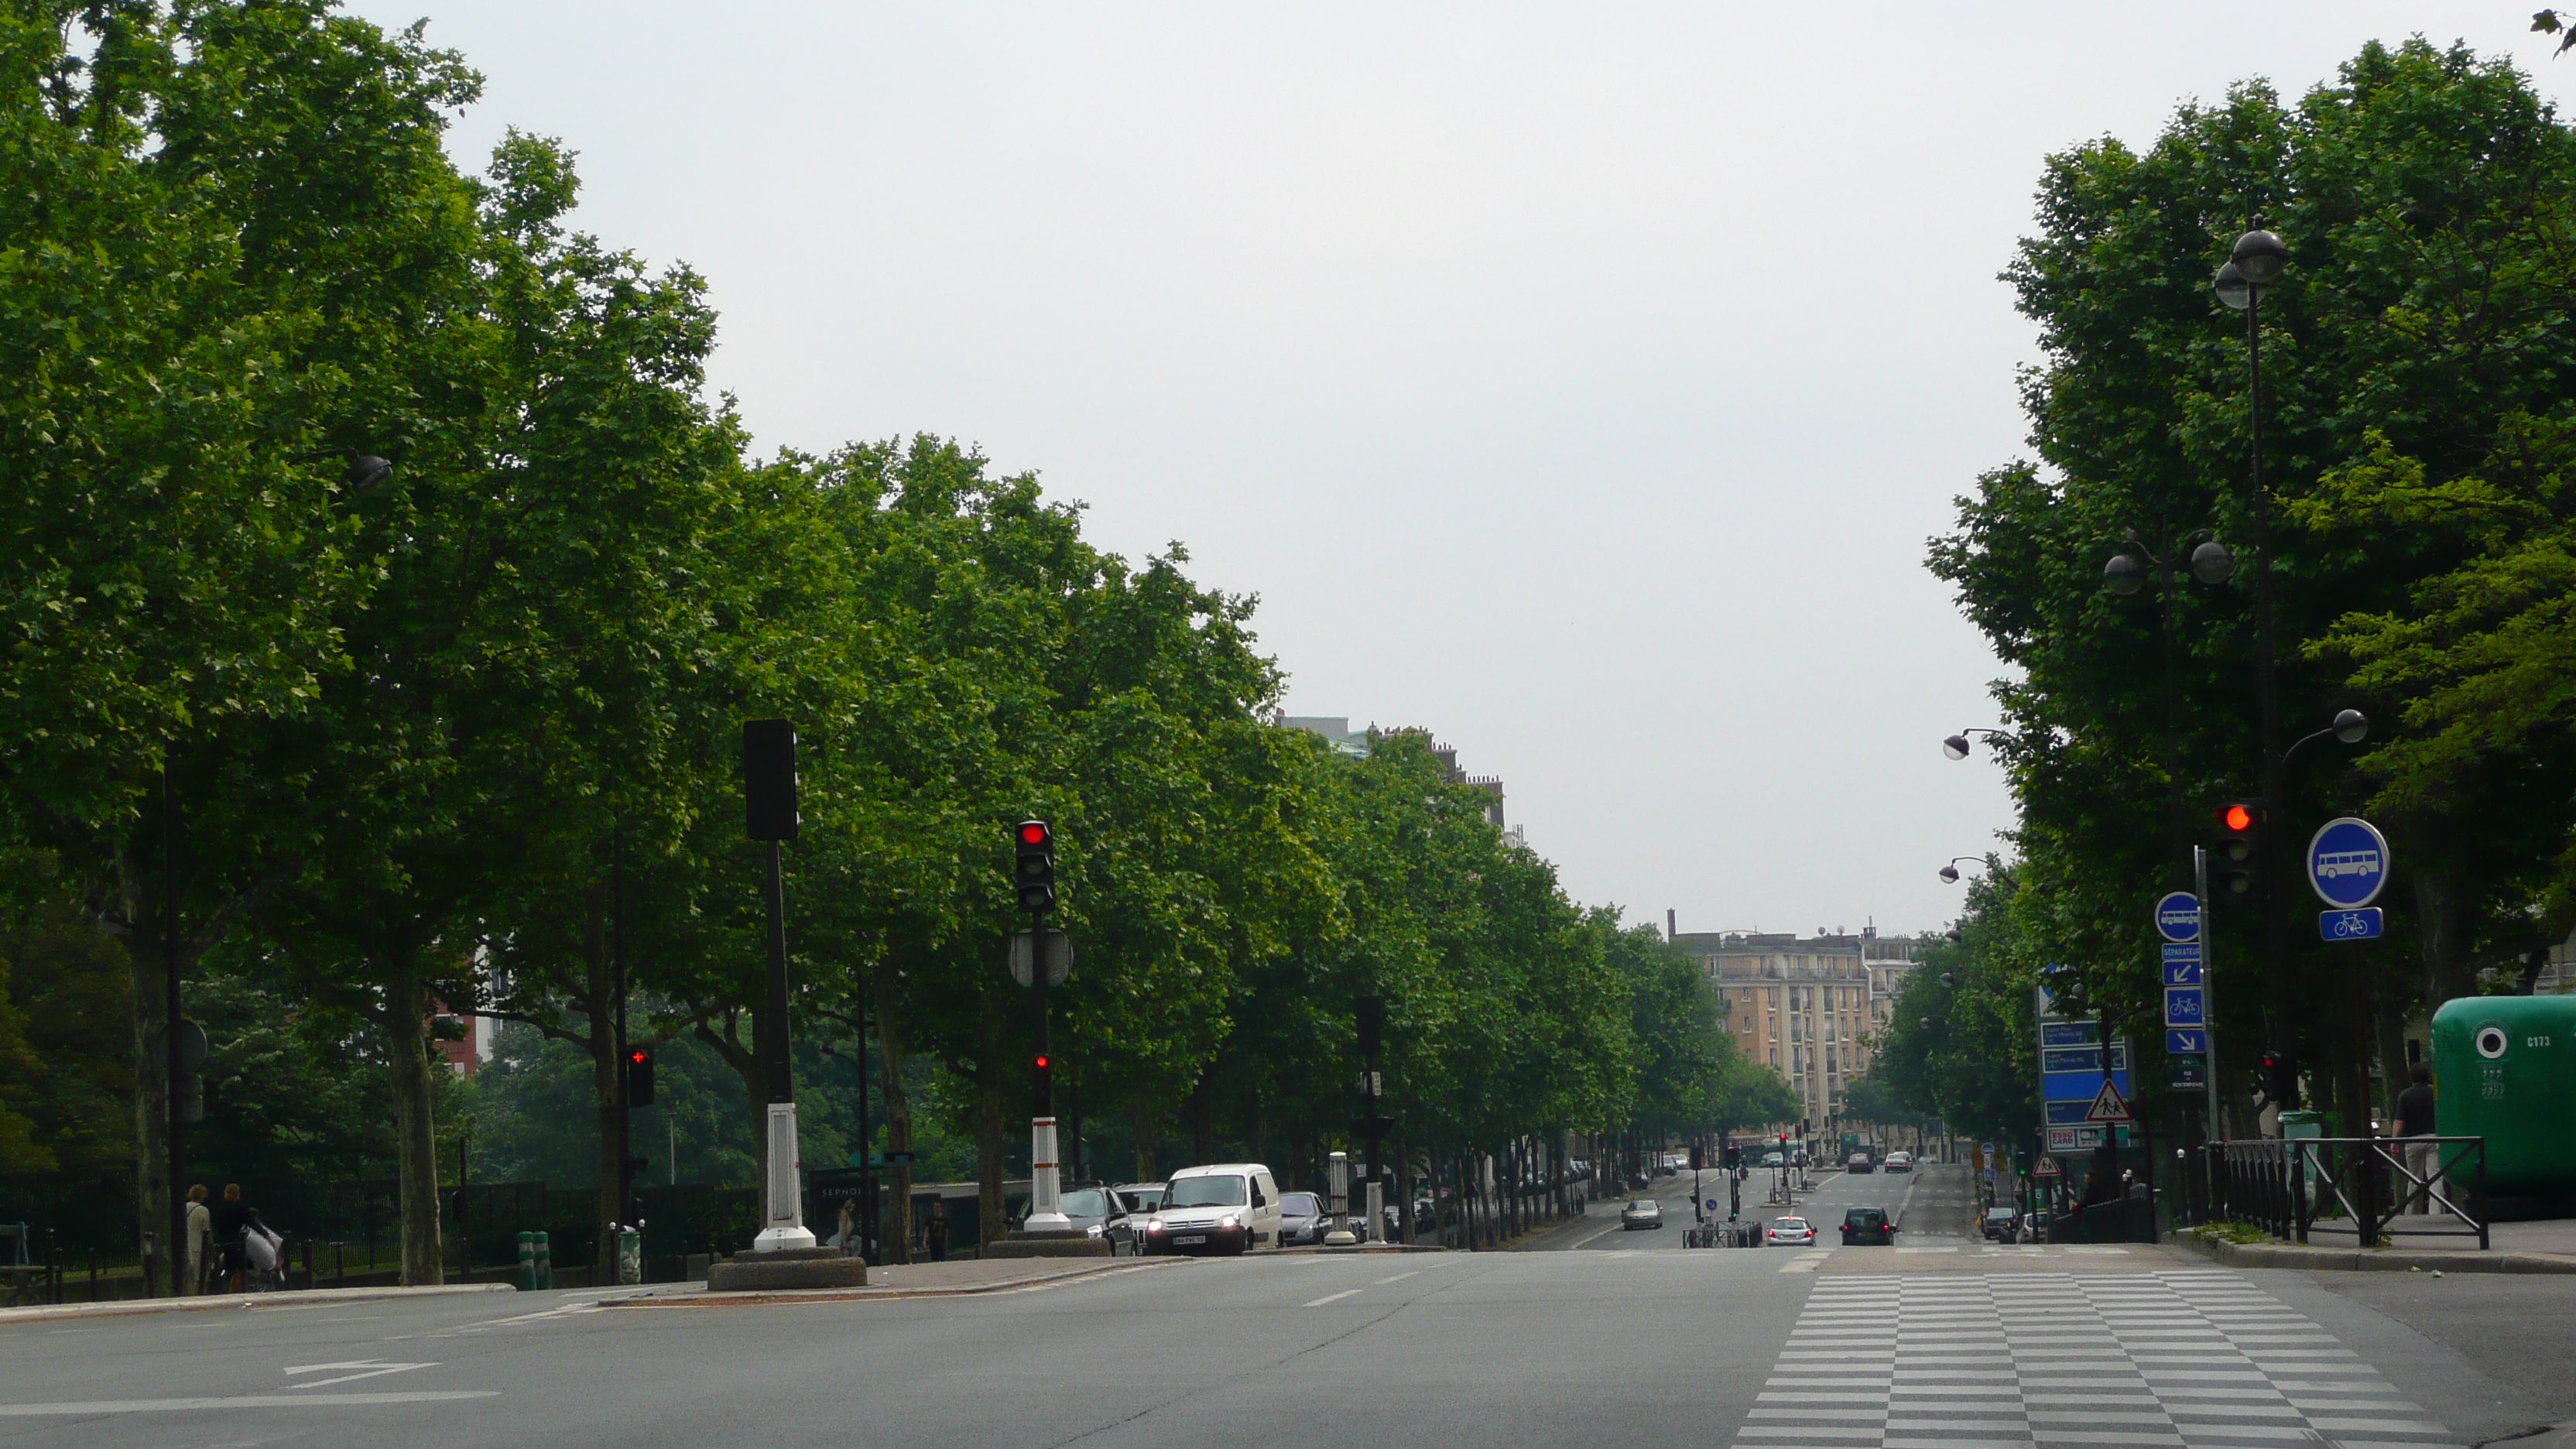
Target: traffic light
x,y
639,1076
2240,829
769,779
1699,1157
1042,1076
1033,841
1370,1019
1734,1156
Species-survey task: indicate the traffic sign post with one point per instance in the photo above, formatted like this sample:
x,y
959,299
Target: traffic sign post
x,y
2203,1030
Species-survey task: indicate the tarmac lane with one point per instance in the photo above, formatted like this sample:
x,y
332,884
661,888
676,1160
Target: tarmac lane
x,y
1929,1345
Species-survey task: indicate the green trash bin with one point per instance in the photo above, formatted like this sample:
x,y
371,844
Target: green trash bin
x,y
527,1262
2504,1068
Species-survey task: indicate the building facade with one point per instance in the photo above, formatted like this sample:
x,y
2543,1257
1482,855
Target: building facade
x,y
1809,1008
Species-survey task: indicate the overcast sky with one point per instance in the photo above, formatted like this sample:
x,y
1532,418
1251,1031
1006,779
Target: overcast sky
x,y
1580,383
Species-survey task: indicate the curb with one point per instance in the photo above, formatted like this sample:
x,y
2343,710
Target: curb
x,y
704,1299
218,1302
2376,1260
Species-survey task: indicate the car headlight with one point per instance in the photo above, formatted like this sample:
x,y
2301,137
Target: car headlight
x,y
1094,1230
1228,1222
1153,1225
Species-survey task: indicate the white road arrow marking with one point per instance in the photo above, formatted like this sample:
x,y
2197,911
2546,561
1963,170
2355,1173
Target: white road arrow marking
x,y
369,1368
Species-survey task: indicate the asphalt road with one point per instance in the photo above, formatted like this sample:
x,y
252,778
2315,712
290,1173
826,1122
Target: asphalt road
x,y
1941,1343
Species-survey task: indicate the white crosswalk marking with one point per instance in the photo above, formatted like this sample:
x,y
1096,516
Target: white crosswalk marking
x,y
2197,1359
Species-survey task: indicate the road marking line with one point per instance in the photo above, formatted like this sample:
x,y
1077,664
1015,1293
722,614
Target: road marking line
x,y
375,1369
1332,1297
1398,1278
239,1401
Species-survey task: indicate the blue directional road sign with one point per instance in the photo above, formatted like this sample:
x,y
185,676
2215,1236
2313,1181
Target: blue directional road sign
x,y
2182,973
2360,925
2185,1006
2178,916
2348,863
2185,1041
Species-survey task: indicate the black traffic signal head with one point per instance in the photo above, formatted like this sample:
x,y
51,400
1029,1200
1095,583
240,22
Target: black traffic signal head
x,y
1699,1157
1734,1155
1369,1017
1042,1076
639,1076
1033,845
769,779
2240,830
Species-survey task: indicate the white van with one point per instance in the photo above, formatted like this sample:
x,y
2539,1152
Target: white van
x,y
1229,1207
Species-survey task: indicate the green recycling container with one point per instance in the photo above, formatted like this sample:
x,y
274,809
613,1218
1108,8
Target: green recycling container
x,y
2504,1068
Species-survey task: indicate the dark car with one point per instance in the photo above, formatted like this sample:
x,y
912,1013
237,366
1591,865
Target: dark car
x,y
2000,1224
1867,1228
1098,1212
1301,1219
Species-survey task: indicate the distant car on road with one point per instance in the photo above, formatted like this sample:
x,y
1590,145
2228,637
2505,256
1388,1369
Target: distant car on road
x,y
1642,1212
2000,1224
1789,1233
1868,1227
1900,1162
1859,1162
1098,1212
1772,1159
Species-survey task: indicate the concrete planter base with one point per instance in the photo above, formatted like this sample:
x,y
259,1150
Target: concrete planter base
x,y
1048,1245
792,1268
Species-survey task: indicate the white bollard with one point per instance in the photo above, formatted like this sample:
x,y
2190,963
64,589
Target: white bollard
x,y
1046,1190
782,1205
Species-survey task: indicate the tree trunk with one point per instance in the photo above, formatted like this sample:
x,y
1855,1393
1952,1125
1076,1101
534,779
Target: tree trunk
x,y
992,1218
1143,1116
2391,1021
2442,926
415,1130
896,1229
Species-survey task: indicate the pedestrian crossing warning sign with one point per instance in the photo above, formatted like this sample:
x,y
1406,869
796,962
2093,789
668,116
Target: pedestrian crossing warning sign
x,y
2107,1106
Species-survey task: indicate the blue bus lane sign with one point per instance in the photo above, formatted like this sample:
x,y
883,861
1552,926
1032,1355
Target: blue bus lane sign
x,y
2178,917
2347,863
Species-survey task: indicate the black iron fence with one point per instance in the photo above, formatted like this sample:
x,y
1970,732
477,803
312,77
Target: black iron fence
x,y
2375,1189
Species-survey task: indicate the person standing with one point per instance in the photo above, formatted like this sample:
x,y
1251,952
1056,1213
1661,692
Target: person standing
x,y
935,1233
229,1215
201,1236
2414,1120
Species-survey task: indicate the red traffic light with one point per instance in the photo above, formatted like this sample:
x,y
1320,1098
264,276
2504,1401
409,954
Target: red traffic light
x,y
638,1056
2237,817
1033,832
1042,1061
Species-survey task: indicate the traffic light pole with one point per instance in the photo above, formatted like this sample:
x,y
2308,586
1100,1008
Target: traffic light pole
x,y
783,1209
174,1117
1046,1189
2208,984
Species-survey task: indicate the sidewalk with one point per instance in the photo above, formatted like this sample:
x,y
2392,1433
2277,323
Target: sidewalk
x,y
216,1302
905,1280
2532,1247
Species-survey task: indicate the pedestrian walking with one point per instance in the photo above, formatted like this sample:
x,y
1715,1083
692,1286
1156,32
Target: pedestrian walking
x,y
935,1232
2415,1119
228,1216
264,1251
201,1237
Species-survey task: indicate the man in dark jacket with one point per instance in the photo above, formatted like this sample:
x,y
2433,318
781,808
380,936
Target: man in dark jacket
x,y
2415,1119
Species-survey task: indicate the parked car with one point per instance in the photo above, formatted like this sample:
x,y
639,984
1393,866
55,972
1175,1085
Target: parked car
x,y
1859,1162
1226,1207
2000,1224
1643,1212
1868,1227
1928,1159
1789,1233
1301,1219
1900,1162
1772,1159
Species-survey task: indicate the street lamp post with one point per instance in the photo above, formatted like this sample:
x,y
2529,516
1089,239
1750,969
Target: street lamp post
x,y
2124,575
2254,264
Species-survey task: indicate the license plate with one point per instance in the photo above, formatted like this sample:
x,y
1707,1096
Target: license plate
x,y
1193,1238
